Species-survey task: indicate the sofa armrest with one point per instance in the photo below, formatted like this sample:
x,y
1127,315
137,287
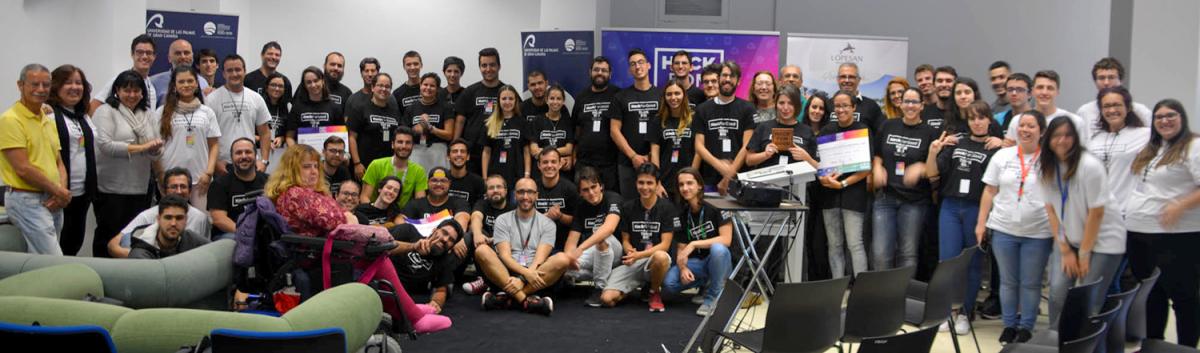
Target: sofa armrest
x,y
354,307
66,281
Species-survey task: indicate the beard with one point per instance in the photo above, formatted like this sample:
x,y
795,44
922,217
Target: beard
x,y
599,81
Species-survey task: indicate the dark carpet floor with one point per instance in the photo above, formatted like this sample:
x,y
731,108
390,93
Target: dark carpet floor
x,y
573,327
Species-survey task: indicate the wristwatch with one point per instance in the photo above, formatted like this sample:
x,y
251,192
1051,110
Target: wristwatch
x,y
265,162
843,184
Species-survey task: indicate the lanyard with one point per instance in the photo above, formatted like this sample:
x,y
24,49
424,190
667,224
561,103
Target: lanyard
x,y
188,118
1025,170
693,227
1153,163
1062,191
529,234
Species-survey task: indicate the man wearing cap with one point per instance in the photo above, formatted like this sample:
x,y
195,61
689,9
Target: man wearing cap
x,y
436,200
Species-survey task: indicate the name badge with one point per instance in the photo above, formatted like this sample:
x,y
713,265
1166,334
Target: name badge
x,y
191,140
387,135
503,156
595,125
726,145
675,156
523,259
899,168
783,160
964,186
642,127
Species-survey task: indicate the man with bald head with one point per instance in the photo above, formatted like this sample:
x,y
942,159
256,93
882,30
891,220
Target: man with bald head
x,y
521,264
180,53
792,76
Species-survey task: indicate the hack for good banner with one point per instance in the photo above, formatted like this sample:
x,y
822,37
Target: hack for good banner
x,y
879,59
565,57
203,30
753,51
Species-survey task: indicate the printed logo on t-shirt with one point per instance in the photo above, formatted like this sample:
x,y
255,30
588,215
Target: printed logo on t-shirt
x,y
643,108
936,123
336,99
593,223
234,109
315,118
487,103
544,205
798,140
434,119
833,117
551,137
240,201
596,109
646,229
966,158
407,101
509,136
385,122
489,221
275,122
669,135
901,143
459,194
723,125
701,231
418,263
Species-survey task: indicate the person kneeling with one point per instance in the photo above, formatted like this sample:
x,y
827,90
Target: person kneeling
x,y
702,255
521,264
652,234
168,235
425,264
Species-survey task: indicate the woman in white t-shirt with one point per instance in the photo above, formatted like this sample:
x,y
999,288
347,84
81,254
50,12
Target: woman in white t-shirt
x,y
1164,221
190,132
1013,215
1117,138
1089,234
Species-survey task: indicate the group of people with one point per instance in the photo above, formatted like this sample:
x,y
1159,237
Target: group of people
x,y
611,190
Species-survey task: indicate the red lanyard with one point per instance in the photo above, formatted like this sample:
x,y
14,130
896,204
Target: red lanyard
x,y
1024,170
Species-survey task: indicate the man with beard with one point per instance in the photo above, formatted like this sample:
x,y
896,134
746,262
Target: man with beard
x,y
723,126
536,103
483,222
681,71
998,76
339,94
634,109
168,235
464,185
436,200
943,87
175,181
368,68
413,180
257,80
646,241
476,103
594,147
556,196
521,264
230,193
241,113
923,75
178,54
425,264
409,91
334,167
868,111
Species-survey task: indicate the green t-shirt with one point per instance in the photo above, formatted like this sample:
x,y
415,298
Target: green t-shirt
x,y
413,180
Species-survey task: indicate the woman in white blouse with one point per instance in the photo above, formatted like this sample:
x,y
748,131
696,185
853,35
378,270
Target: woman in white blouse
x,y
190,131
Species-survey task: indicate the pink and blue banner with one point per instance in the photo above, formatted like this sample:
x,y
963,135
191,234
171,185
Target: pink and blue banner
x,y
753,51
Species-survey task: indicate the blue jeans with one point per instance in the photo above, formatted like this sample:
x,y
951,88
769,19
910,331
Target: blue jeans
x,y
956,231
1101,267
712,270
897,224
844,227
37,224
1022,261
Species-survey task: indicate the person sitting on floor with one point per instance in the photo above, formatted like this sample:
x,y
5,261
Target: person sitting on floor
x,y
595,223
425,264
646,241
175,181
702,251
521,264
167,236
483,221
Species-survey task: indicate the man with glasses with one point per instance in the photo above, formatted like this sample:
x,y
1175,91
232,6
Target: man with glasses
x,y
521,264
868,111
334,167
1016,89
230,193
710,78
31,165
346,194
723,126
142,53
634,110
681,70
594,147
1045,95
1108,72
175,181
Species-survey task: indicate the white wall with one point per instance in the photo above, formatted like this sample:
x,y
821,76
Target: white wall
x,y
1165,53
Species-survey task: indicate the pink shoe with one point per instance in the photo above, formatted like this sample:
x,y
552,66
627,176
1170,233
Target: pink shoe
x,y
431,323
426,309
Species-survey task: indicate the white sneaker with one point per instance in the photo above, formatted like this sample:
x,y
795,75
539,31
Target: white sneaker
x,y
944,327
698,298
962,325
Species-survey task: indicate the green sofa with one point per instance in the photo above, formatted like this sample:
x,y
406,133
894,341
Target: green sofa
x,y
197,279
29,297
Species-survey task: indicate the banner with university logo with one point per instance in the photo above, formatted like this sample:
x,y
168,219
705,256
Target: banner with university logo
x,y
879,59
203,30
564,56
753,51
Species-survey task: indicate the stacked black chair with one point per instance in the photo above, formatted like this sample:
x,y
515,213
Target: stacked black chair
x,y
1160,346
1135,322
920,341
876,304
929,303
83,338
813,308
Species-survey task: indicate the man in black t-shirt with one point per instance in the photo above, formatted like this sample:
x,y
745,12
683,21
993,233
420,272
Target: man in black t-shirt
x,y
867,111
556,196
483,219
368,68
409,91
477,102
592,247
943,91
334,168
371,124
681,70
437,199
425,264
593,140
230,193
339,94
634,109
464,185
647,230
536,103
257,79
722,127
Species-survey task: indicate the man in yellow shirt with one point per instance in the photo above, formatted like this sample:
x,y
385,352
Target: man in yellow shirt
x,y
31,165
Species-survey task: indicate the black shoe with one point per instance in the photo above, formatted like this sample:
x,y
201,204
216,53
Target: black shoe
x,y
539,305
494,301
1023,335
990,308
1008,335
593,300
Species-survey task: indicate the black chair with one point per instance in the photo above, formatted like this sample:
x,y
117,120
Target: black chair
x,y
913,342
929,303
727,305
238,341
1135,321
1077,311
1086,344
1115,338
82,338
1160,346
876,304
813,308
959,294
1108,313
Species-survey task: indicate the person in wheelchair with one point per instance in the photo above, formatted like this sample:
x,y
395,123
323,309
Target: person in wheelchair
x,y
301,196
426,264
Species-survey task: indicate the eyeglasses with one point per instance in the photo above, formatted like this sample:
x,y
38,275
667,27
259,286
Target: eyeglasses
x,y
276,85
348,193
1112,106
526,192
911,101
1017,90
1167,116
335,151
637,63
143,53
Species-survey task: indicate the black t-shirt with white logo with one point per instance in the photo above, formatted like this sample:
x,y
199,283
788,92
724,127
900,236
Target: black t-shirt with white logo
x,y
477,103
531,110
636,110
899,146
645,226
933,116
565,195
866,111
335,181
589,217
594,142
961,168
231,194
700,226
413,268
722,126
375,127
548,133
407,95
490,213
508,150
469,188
339,95
696,95
675,149
279,117
439,114
421,208
854,197
368,214
307,114
257,81
802,135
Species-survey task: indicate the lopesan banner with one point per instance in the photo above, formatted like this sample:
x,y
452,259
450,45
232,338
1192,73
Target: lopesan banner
x,y
879,59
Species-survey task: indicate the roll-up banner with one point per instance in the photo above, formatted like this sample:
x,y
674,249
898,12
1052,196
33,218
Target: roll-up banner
x,y
753,51
564,56
202,30
879,59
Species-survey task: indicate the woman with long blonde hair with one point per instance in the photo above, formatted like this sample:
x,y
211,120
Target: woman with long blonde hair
x,y
505,146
